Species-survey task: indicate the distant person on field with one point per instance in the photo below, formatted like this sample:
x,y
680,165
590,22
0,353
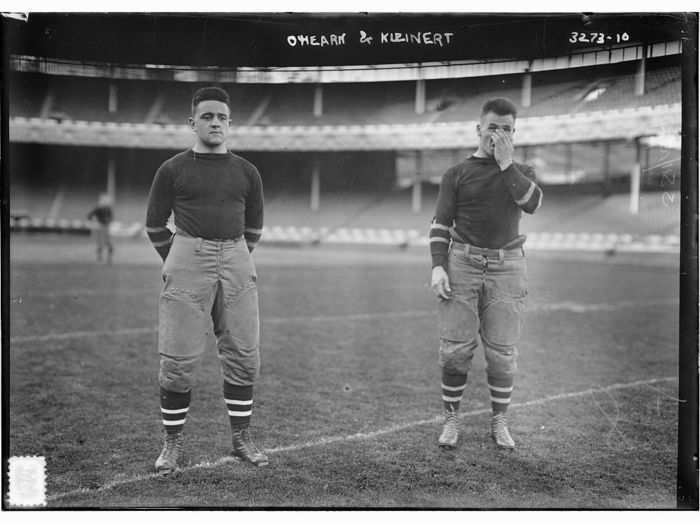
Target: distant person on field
x,y
479,267
216,198
104,216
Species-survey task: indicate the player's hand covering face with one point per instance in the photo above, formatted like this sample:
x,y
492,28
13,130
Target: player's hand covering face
x,y
496,137
210,123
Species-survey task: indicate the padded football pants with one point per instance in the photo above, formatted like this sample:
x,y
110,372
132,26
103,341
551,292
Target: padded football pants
x,y
208,285
487,300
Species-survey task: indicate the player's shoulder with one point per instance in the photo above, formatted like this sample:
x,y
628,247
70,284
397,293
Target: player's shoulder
x,y
176,160
245,163
454,170
464,168
248,167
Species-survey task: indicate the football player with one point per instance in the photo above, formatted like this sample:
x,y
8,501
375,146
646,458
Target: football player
x,y
216,198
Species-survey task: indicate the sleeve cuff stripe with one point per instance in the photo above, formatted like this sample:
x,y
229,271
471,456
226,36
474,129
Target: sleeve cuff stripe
x,y
528,195
438,226
439,239
254,230
161,243
157,229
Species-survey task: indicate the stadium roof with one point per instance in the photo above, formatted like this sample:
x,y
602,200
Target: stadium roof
x,y
285,40
342,73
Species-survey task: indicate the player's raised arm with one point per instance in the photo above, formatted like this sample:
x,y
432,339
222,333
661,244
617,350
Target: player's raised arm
x,y
520,181
254,210
160,204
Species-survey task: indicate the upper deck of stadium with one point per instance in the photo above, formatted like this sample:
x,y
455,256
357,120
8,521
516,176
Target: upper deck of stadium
x,y
556,92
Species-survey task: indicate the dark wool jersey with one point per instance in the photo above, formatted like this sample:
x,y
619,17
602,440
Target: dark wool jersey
x,y
211,195
481,205
103,214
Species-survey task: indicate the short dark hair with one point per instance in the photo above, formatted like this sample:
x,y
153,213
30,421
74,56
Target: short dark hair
x,y
499,106
209,93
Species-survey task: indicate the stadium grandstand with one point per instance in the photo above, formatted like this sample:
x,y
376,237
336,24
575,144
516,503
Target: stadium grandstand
x,y
354,153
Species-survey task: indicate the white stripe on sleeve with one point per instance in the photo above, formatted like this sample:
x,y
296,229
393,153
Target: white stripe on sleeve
x,y
528,195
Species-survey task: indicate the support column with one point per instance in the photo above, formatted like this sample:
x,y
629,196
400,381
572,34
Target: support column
x,y
112,101
57,203
526,100
112,177
647,158
47,104
606,169
639,77
420,96
635,178
417,193
318,100
569,148
315,185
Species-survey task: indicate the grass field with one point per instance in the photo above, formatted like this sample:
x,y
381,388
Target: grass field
x,y
348,401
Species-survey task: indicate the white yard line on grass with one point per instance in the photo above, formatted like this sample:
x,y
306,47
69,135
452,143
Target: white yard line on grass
x,y
82,334
84,292
359,436
265,321
567,306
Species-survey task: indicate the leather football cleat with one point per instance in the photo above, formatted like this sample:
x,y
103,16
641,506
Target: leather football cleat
x,y
244,449
499,432
170,455
450,432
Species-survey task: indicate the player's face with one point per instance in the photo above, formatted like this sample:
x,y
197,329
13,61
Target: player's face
x,y
210,122
491,122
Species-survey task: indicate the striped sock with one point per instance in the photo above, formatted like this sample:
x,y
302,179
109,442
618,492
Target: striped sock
x,y
239,402
173,409
453,386
500,389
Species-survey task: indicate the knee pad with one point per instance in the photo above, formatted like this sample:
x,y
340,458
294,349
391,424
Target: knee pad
x,y
176,373
456,356
239,366
501,361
